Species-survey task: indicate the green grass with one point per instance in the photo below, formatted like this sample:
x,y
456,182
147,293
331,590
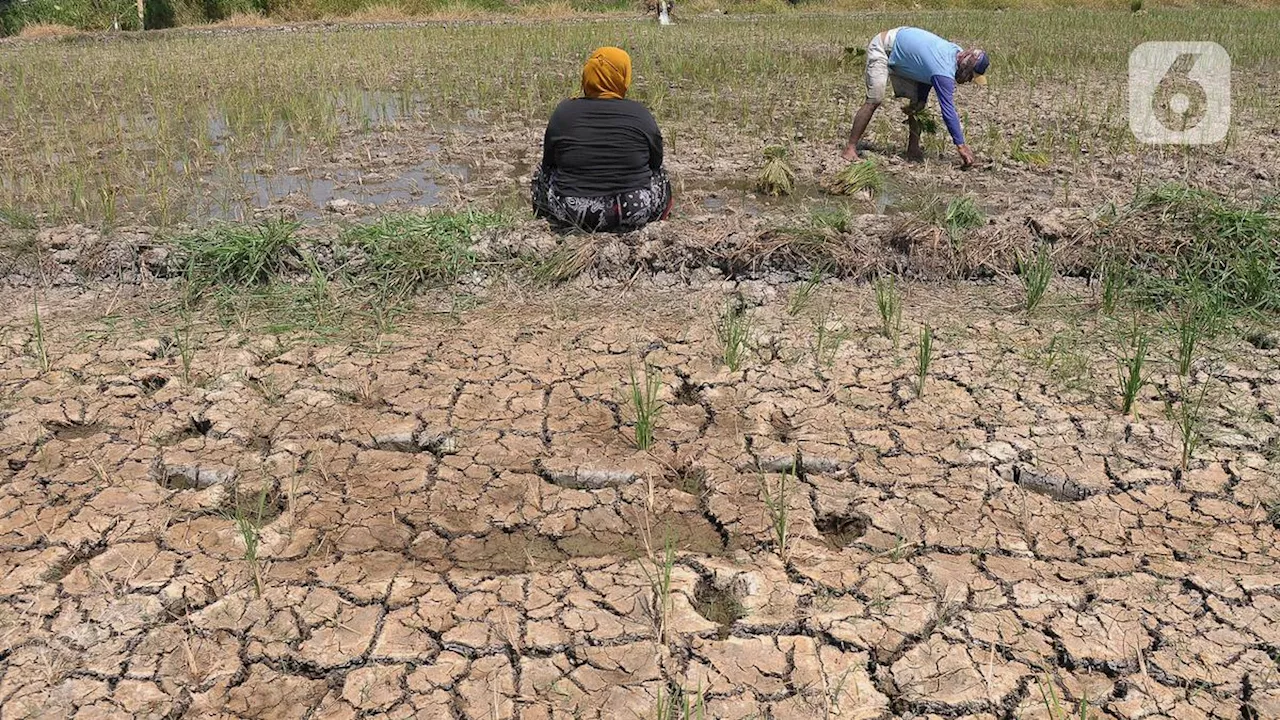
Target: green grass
x,y
733,330
804,292
240,255
962,214
403,254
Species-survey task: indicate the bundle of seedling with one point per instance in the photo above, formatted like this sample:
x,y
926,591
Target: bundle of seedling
x,y
922,115
776,177
855,178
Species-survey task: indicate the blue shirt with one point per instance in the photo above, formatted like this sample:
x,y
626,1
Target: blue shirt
x,y
930,61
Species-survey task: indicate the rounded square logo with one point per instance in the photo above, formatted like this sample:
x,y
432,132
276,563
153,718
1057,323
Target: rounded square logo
x,y
1179,93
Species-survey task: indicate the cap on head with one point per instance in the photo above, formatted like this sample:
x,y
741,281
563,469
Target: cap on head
x,y
980,68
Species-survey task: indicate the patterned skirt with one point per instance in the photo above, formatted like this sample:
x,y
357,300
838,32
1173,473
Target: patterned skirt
x,y
611,213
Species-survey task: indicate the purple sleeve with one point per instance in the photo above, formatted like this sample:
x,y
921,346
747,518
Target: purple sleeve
x,y
946,88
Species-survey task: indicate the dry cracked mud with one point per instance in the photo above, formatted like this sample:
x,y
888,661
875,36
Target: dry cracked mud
x,y
454,523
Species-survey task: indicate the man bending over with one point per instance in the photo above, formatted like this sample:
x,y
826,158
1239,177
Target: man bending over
x,y
916,61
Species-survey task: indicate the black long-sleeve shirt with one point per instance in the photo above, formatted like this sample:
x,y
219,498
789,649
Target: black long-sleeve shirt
x,y
601,147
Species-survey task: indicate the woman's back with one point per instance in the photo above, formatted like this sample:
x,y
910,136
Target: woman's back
x,y
601,147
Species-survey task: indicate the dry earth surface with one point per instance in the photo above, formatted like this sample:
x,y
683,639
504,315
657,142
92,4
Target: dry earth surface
x,y
455,523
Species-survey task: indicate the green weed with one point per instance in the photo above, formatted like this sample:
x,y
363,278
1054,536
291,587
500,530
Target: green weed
x,y
1198,317
405,253
961,214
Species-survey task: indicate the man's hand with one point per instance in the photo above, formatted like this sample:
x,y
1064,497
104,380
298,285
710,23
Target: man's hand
x,y
966,156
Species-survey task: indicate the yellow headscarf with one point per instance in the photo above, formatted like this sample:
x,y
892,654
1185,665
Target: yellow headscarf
x,y
607,75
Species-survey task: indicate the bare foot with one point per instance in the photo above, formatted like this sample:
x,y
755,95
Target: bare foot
x,y
850,153
915,155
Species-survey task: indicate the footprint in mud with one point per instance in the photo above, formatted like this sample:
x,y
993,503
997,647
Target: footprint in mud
x,y
719,605
842,530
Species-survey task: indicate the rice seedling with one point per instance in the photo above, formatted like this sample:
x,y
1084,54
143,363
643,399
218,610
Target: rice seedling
x,y
1186,417
37,338
962,214
1198,318
680,704
1035,275
889,307
1131,374
658,571
828,336
803,293
645,404
734,333
248,523
922,115
1020,153
1054,707
776,178
569,260
924,358
1114,282
777,505
856,177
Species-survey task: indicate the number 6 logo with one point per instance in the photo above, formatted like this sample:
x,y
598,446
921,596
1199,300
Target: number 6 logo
x,y
1179,93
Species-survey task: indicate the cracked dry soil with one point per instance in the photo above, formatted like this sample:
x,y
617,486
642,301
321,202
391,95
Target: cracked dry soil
x,y
456,525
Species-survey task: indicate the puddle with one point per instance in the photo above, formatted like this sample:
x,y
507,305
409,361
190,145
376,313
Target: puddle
x,y
842,530
719,605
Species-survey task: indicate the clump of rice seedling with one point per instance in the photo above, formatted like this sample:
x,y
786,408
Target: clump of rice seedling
x,y
659,576
734,332
803,293
776,177
239,255
37,338
1131,374
1186,417
924,117
1055,708
1020,153
924,358
856,177
1198,317
1035,276
827,337
962,214
645,404
889,306
681,705
184,340
1114,282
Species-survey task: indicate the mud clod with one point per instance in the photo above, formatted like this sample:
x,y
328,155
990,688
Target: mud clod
x,y
842,530
719,605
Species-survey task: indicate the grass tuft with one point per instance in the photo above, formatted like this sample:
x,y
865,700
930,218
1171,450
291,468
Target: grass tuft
x,y
239,255
734,333
405,253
